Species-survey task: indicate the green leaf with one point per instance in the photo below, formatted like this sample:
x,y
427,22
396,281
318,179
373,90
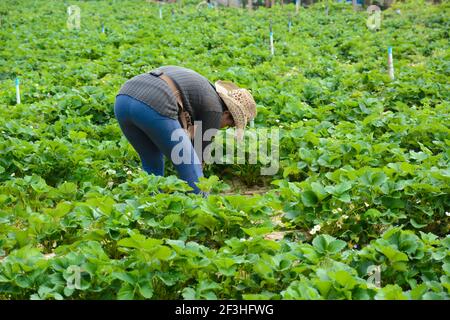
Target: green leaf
x,y
255,232
393,203
446,268
189,294
146,290
391,292
342,187
319,190
124,276
320,244
418,292
263,269
225,266
105,204
61,209
309,198
126,292
344,278
162,253
392,254
417,225
435,296
378,178
258,296
139,242
336,246
68,188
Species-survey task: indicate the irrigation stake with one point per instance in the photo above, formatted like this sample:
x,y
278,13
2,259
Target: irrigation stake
x,y
103,28
17,91
272,50
391,64
289,23
160,12
297,6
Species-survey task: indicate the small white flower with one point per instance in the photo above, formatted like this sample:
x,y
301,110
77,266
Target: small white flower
x,y
315,229
110,184
345,216
277,120
339,209
13,174
334,211
447,214
366,204
110,171
129,172
49,256
304,119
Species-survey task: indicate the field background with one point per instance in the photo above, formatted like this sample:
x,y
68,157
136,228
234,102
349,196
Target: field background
x,y
358,210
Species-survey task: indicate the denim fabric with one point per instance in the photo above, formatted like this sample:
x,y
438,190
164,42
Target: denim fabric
x,y
150,135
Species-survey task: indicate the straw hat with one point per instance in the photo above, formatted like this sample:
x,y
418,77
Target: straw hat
x,y
239,102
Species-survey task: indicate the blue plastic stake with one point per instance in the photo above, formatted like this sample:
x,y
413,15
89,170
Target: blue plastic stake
x,y
391,64
17,91
289,24
103,28
272,49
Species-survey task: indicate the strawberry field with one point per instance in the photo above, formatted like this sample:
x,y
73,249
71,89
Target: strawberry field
x,y
359,208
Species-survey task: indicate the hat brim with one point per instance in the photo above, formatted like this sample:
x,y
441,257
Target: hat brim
x,y
225,86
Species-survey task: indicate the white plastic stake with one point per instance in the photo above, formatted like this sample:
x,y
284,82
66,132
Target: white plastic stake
x,y
103,28
160,12
297,6
17,91
391,64
289,24
272,49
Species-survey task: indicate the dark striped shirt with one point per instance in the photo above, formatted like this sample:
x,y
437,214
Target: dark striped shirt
x,y
199,96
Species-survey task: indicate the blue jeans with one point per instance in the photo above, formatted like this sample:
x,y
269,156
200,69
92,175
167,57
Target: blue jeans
x,y
150,135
